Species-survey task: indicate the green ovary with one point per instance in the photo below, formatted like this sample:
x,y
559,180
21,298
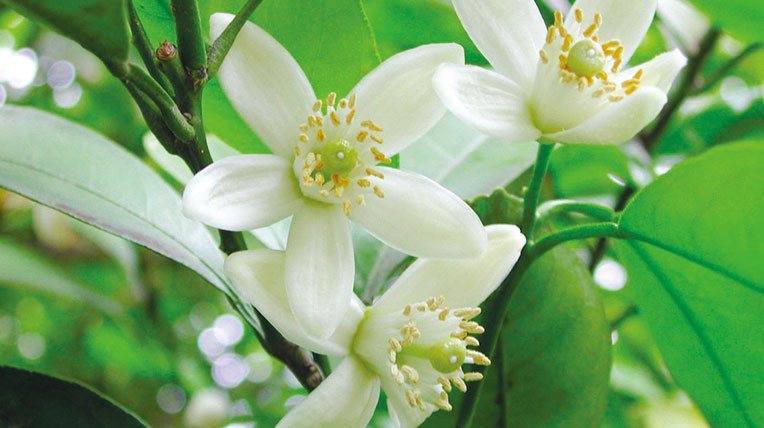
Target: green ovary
x,y
586,58
445,355
338,157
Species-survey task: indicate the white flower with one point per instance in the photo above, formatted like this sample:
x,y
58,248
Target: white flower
x,y
409,342
565,83
324,168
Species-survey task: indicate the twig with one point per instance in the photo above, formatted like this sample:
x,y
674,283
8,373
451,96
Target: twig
x,y
220,47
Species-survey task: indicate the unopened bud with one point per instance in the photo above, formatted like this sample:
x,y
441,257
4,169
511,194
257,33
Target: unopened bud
x,y
167,51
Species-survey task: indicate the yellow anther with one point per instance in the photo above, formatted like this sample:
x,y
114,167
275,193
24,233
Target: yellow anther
x,y
360,200
411,398
379,156
471,341
630,82
467,313
550,35
601,75
311,121
320,179
374,173
320,134
618,52
377,139
304,138
317,106
581,84
598,19
557,18
459,383
566,44
471,377
422,308
351,102
378,192
324,193
589,31
320,120
343,103
362,182
362,136
410,373
331,99
563,61
335,119
444,383
394,344
297,150
598,93
459,334
610,44
616,64
349,117
304,128
479,358
638,74
579,16
632,90
346,206
544,57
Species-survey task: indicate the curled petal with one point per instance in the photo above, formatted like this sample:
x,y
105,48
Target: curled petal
x,y
626,21
398,95
420,217
259,276
508,32
265,85
242,192
347,399
487,101
660,71
461,282
319,267
618,122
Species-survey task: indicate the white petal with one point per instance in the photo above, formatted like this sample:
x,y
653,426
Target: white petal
x,y
259,276
242,192
420,217
487,101
462,282
402,414
398,94
347,399
508,32
660,71
626,21
265,85
618,122
319,267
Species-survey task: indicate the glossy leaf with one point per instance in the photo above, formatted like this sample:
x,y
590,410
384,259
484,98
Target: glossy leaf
x,y
555,343
89,177
25,268
33,399
696,273
100,26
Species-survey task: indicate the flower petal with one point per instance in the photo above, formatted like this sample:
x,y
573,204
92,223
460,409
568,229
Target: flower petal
x,y
660,71
259,276
626,21
461,282
398,94
508,32
319,267
265,85
420,217
242,192
618,122
402,414
347,399
487,101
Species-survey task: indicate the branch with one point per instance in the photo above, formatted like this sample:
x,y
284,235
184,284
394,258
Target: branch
x,y
531,198
555,208
143,44
220,47
729,66
191,46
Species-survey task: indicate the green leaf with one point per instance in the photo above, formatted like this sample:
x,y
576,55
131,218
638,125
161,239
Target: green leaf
x,y
588,170
36,400
77,171
555,345
100,26
465,161
741,18
25,268
695,270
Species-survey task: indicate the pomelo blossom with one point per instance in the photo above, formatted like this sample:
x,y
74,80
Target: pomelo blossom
x,y
412,342
567,82
325,168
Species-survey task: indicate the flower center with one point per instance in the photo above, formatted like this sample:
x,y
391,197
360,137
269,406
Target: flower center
x,y
335,156
425,348
586,58
585,62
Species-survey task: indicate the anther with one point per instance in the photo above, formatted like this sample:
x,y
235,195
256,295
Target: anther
x,y
378,192
459,383
317,106
379,156
459,334
566,44
639,74
550,35
394,344
343,103
471,377
410,373
467,313
349,117
471,341
360,200
320,135
374,173
377,139
362,182
297,150
411,398
304,128
444,383
320,179
346,206
579,16
304,138
320,120
362,136
335,119
479,358
443,314
557,18
331,99
544,57
351,102
632,90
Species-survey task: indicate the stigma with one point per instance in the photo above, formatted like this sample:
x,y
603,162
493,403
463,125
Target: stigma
x,y
336,154
584,61
424,351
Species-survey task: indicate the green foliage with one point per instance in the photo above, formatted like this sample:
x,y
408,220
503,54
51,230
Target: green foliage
x,y
742,18
42,158
100,26
36,400
695,270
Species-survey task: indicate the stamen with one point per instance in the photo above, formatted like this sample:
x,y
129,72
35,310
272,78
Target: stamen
x,y
362,136
320,135
410,373
297,150
331,99
362,182
550,35
317,106
377,139
544,57
471,377
632,90
394,344
444,383
378,192
443,314
459,383
557,18
335,119
351,103
471,341
304,138
407,309
349,117
579,16
360,200
639,74
320,120
346,206
320,179
379,156
343,103
374,173
304,128
479,358
467,313
566,44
